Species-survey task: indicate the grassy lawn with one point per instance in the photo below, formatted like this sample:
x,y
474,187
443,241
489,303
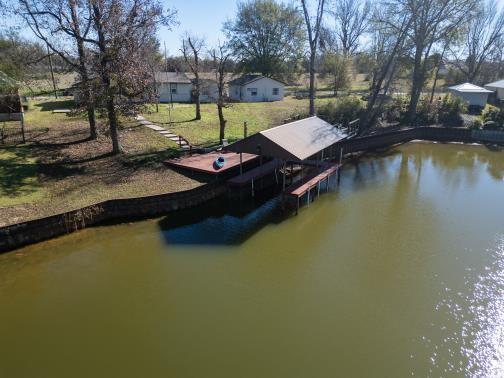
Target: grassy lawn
x,y
259,116
60,169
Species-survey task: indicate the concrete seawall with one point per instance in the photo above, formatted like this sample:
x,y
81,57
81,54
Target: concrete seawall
x,y
25,233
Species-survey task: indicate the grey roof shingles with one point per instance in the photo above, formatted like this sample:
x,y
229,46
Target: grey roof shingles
x,y
496,84
172,77
249,78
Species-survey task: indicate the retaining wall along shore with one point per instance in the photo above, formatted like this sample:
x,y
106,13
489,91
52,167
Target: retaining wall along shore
x,y
21,234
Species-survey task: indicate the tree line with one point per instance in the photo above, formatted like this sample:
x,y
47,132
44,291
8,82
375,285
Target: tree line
x,y
111,44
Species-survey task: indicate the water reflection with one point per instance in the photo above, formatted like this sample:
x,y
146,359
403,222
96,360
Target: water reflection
x,y
479,314
221,223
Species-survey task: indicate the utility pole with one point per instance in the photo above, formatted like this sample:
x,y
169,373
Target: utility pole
x,y
165,58
52,72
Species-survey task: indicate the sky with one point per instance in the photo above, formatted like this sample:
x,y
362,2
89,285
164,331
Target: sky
x,y
203,18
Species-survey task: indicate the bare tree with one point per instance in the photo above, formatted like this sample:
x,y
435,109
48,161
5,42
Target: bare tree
x,y
191,48
432,22
485,30
60,24
388,47
351,18
122,37
220,56
313,26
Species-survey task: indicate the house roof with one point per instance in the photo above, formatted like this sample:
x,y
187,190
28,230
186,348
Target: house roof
x,y
297,140
469,88
247,79
496,84
172,77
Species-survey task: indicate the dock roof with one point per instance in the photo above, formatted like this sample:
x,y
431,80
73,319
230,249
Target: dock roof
x,y
296,141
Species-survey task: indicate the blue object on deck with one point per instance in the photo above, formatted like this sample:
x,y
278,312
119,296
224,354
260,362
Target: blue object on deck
x,y
219,162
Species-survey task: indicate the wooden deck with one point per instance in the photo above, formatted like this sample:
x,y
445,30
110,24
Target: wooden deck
x,y
205,162
255,173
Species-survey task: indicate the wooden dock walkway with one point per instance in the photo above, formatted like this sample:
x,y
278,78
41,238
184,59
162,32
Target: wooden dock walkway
x,y
304,186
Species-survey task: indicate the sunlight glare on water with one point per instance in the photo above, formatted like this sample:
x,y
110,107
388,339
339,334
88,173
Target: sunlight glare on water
x,y
480,315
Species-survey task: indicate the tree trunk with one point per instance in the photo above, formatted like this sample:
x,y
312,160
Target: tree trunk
x,y
222,122
112,116
416,86
197,99
312,82
88,96
107,85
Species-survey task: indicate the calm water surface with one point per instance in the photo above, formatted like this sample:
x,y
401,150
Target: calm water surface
x,y
397,272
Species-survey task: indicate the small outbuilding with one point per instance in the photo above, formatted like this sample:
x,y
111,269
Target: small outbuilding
x,y
173,87
472,94
497,88
256,88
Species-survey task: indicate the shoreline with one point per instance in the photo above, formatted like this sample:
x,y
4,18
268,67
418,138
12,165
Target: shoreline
x,y
129,209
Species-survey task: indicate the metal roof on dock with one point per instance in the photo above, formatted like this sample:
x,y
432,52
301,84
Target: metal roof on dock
x,y
296,140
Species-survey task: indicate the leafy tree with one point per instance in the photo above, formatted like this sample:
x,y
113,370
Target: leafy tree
x,y
336,65
266,37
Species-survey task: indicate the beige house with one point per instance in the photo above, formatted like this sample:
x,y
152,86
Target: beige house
x,y
255,88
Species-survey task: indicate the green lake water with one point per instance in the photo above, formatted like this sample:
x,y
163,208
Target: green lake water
x,y
398,271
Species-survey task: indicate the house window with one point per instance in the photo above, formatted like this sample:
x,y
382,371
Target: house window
x,y
276,91
173,88
253,91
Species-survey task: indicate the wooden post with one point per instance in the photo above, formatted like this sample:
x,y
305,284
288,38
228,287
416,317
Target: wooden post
x,y
284,169
341,155
241,163
245,129
318,189
297,207
23,128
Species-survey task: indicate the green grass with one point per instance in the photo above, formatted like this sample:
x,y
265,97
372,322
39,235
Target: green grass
x,y
19,177
259,116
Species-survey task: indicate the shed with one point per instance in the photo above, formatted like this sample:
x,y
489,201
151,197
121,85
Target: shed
x,y
472,94
497,88
173,87
256,88
294,141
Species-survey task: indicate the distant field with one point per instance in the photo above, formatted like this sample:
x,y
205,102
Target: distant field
x,y
259,116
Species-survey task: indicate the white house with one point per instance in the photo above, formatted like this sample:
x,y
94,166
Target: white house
x,y
471,94
497,87
255,88
173,87
209,91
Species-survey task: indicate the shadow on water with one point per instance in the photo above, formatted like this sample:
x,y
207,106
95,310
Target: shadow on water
x,y
223,221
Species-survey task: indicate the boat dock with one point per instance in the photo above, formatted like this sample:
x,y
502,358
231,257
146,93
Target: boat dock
x,y
305,186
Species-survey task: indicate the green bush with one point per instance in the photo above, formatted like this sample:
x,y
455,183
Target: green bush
x,y
395,109
450,110
342,111
493,114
